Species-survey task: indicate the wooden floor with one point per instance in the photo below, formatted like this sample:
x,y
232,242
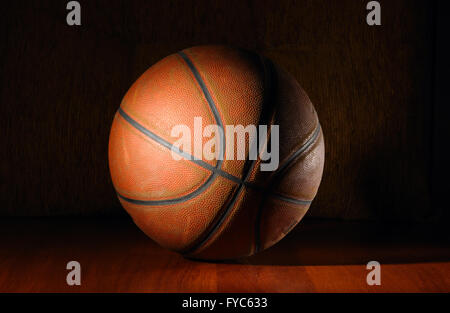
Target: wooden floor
x,y
318,256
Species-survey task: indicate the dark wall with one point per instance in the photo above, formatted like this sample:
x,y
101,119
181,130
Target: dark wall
x,y
372,88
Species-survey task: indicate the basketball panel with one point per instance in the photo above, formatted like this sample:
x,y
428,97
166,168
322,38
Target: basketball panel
x,y
177,226
278,218
235,237
143,169
235,80
167,97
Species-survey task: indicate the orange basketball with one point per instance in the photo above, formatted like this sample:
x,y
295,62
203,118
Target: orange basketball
x,y
224,207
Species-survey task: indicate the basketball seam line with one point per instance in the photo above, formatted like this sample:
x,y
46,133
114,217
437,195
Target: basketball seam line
x,y
187,196
238,192
201,163
291,200
216,114
211,104
225,213
300,150
280,170
166,144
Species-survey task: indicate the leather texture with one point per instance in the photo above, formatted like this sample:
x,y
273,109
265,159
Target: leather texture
x,y
214,209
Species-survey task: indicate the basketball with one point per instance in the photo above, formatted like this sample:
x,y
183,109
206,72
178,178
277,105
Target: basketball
x,y
216,152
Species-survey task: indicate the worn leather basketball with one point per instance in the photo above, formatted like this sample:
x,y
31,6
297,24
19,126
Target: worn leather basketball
x,y
219,208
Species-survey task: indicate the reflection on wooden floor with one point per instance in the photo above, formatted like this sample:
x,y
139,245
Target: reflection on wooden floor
x,y
317,256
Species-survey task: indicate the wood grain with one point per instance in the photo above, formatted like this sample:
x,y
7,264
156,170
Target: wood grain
x,y
320,256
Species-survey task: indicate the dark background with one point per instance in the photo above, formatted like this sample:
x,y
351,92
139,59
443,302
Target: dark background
x,y
375,90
